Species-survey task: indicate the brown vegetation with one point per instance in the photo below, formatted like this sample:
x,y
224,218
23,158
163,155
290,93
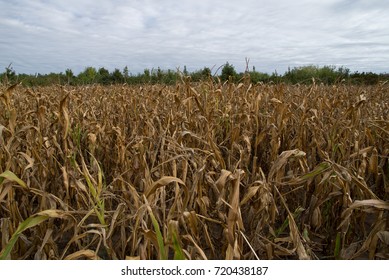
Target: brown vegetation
x,y
205,171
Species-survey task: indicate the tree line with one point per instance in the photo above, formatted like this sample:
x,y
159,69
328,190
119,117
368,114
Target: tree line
x,y
91,75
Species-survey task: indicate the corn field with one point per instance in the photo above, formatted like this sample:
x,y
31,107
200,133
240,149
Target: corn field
x,y
194,171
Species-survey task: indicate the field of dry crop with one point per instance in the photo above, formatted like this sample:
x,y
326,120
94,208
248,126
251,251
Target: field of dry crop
x,y
194,171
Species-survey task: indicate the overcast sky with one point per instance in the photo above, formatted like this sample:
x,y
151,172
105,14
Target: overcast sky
x,y
50,36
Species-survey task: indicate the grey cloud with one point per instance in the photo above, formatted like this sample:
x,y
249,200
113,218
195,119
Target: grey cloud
x,y
44,36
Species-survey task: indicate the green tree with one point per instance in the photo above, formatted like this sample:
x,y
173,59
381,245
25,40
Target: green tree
x,y
125,74
201,75
117,76
104,76
88,76
206,72
306,74
9,76
258,76
69,75
228,71
169,77
185,71
159,74
146,76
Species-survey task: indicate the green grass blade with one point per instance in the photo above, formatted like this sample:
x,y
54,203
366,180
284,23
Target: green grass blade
x,y
26,224
161,245
178,252
12,177
29,223
337,246
95,191
318,170
285,224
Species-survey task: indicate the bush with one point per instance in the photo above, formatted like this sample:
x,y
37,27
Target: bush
x,y
227,72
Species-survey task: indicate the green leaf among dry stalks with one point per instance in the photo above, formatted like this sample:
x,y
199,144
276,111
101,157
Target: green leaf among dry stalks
x,y
26,224
11,177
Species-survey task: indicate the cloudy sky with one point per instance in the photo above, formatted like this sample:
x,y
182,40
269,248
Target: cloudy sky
x,y
50,36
